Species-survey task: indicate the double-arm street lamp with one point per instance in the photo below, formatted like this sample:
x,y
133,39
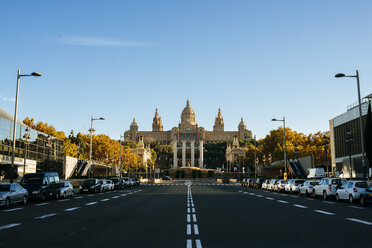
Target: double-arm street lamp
x,y
285,145
340,75
19,75
91,139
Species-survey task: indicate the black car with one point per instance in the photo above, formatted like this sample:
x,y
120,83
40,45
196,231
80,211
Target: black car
x,y
166,178
366,196
42,186
117,182
91,185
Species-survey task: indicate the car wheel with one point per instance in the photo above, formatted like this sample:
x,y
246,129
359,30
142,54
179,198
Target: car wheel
x,y
57,196
24,202
351,199
64,195
337,197
299,193
307,193
72,194
362,201
7,202
324,195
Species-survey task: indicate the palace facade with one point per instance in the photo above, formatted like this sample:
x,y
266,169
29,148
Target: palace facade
x,y
188,138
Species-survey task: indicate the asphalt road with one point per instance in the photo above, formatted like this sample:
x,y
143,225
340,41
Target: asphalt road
x,y
187,214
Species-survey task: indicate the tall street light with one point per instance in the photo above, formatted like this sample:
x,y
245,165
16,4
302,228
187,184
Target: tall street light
x,y
19,75
91,138
285,144
340,75
121,136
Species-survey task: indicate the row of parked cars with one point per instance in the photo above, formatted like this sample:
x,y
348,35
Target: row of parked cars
x,y
46,185
340,189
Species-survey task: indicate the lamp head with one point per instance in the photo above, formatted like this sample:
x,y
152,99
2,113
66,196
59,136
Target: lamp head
x,y
340,75
36,74
274,119
102,118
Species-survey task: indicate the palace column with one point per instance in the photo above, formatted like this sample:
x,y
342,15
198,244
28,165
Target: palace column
x,y
201,155
192,154
175,160
183,153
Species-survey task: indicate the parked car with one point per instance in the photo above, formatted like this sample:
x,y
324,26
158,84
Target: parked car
x,y
351,190
258,183
279,186
110,185
307,188
271,184
295,185
117,182
166,178
288,185
225,180
42,185
11,193
244,182
91,185
67,190
104,185
127,182
366,196
265,184
327,187
251,182
137,181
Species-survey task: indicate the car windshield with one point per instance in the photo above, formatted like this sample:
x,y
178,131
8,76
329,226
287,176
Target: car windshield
x,y
32,180
336,181
362,185
4,187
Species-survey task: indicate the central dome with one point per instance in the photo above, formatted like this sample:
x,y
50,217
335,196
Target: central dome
x,y
188,114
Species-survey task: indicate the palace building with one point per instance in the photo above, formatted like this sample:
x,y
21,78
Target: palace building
x,y
188,138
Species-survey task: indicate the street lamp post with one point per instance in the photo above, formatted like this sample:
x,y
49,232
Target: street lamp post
x,y
19,75
121,136
325,144
349,140
339,75
285,145
26,137
255,157
91,139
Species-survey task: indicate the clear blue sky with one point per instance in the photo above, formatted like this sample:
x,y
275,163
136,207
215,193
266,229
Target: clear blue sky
x,y
120,59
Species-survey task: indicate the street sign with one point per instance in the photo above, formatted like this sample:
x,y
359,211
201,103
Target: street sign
x,y
285,176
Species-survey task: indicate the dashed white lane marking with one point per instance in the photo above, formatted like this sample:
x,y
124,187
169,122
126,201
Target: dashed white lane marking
x,y
198,243
189,243
310,199
63,200
188,205
193,210
71,209
259,195
79,197
100,193
91,203
188,229
192,204
240,191
123,194
245,192
328,202
45,216
90,195
196,229
12,209
299,206
360,221
42,204
106,199
282,201
194,217
324,212
114,197
294,196
188,210
9,226
356,207
269,198
188,218
251,193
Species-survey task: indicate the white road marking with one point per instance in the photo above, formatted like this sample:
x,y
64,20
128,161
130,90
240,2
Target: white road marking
x,y
194,217
79,197
188,210
192,204
324,212
42,204
282,201
90,195
91,203
299,206
196,230
12,209
356,207
106,199
188,205
71,209
198,243
245,192
189,243
328,202
63,200
251,194
310,199
188,229
188,218
193,210
9,226
45,216
123,194
114,197
240,191
259,195
269,198
360,221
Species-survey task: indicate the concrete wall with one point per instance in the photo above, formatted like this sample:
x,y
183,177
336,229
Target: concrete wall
x,y
69,166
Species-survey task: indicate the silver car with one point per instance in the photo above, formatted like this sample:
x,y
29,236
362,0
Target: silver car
x,y
67,190
12,193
